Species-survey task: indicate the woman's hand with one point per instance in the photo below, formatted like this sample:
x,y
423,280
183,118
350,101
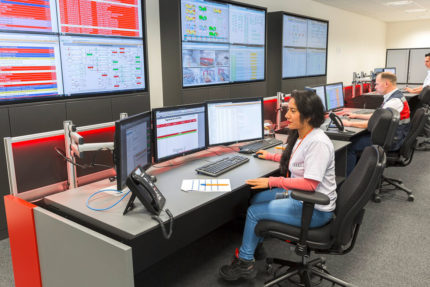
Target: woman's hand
x,y
258,183
262,153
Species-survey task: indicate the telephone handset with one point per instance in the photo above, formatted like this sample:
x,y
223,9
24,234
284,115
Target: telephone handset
x,y
141,185
335,119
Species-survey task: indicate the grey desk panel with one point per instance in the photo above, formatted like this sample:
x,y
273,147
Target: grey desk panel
x,y
137,221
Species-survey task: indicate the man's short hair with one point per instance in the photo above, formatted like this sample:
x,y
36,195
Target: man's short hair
x,y
428,55
389,77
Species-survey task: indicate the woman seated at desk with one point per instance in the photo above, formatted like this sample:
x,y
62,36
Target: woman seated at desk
x,y
308,163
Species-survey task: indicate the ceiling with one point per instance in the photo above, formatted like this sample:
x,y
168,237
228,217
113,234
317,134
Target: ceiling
x,y
379,9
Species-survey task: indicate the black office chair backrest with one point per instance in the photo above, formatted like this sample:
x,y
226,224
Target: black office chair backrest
x,y
382,126
417,126
355,192
424,96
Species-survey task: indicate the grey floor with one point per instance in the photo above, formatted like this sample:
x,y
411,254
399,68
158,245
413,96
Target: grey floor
x,y
392,247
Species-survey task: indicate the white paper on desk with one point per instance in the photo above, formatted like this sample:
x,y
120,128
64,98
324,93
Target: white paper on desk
x,y
206,185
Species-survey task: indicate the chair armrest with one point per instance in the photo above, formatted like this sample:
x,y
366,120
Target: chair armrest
x,y
311,197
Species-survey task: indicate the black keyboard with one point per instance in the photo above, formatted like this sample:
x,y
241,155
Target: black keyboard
x,y
260,144
222,165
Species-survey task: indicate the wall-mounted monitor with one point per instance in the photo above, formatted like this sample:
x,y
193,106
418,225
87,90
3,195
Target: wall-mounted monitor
x,y
334,96
304,46
221,43
320,91
179,131
132,145
70,48
235,120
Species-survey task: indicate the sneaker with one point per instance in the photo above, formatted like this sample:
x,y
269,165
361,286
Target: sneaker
x,y
239,268
260,252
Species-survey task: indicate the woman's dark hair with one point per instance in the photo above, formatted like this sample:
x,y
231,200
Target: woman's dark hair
x,y
311,108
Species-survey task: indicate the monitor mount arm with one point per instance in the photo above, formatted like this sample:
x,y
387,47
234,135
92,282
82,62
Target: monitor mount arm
x,y
75,147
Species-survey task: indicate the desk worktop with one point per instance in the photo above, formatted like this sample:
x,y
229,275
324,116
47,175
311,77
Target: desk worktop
x,y
138,221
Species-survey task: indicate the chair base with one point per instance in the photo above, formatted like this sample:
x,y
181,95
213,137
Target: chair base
x,y
424,145
305,271
396,183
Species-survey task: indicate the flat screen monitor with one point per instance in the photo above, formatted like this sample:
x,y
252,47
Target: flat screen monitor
x,y
179,131
49,50
378,70
320,91
221,43
235,120
132,145
304,46
390,70
334,96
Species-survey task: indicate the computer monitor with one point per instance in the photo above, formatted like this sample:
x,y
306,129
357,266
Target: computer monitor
x,y
234,120
179,131
334,96
378,70
320,91
132,145
390,70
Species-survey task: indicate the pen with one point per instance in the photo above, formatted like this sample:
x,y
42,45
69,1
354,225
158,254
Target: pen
x,y
214,184
279,147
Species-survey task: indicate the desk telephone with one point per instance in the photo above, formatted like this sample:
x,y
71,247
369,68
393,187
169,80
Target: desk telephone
x,y
335,119
141,186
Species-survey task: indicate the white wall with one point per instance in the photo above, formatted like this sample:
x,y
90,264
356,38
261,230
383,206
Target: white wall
x,y
411,34
356,43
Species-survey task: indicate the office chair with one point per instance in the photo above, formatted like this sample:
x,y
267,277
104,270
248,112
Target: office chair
x,y
336,237
382,126
404,155
424,98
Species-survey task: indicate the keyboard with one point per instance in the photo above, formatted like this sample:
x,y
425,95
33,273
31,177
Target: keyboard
x,y
222,165
260,144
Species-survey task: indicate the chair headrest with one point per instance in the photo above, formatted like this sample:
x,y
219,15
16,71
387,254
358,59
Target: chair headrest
x,y
382,125
424,96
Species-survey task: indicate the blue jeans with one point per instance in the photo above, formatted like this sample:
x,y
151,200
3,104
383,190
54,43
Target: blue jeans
x,y
286,210
359,143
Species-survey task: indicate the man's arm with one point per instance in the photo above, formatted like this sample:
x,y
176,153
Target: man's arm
x,y
360,124
416,90
360,116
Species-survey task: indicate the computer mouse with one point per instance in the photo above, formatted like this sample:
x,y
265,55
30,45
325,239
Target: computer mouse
x,y
256,155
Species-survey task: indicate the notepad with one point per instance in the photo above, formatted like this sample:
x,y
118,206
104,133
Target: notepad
x,y
206,185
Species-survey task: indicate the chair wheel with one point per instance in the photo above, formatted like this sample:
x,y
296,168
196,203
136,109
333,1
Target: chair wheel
x,y
376,198
411,197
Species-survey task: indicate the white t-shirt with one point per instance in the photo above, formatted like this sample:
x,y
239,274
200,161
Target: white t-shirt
x,y
427,79
314,159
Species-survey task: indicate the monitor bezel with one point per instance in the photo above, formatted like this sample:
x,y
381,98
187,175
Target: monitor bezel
x,y
235,100
282,44
343,96
117,144
154,133
325,97
246,5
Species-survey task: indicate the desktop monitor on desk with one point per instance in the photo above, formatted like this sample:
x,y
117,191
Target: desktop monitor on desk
x,y
390,70
320,91
334,96
132,145
235,120
179,131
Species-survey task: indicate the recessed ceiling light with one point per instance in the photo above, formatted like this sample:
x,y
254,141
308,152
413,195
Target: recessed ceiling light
x,y
398,3
416,10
